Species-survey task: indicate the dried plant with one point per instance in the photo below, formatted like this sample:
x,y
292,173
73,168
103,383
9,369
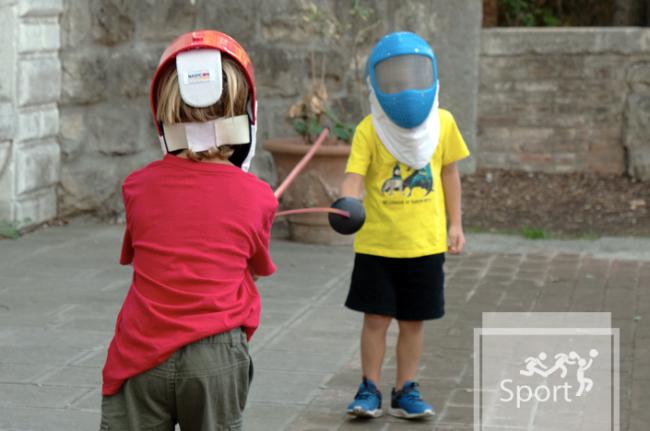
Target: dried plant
x,y
313,111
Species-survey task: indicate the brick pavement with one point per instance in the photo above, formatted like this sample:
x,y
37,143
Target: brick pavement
x,y
61,288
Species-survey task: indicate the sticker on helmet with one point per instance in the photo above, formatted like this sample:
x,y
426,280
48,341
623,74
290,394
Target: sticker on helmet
x,y
198,77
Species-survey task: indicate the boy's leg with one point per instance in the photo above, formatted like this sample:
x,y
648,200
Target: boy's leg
x,y
409,349
406,401
373,345
212,382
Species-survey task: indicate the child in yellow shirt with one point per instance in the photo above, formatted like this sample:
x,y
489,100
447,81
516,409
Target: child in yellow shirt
x,y
404,157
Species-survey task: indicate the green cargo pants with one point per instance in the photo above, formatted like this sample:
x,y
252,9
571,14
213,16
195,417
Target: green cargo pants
x,y
203,387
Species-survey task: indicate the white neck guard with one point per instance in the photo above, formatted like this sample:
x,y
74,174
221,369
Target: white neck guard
x,y
413,147
210,134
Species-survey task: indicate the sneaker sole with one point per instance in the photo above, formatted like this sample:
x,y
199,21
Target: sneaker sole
x,y
401,413
361,413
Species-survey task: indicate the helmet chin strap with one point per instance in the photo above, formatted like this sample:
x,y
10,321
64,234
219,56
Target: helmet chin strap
x,y
210,134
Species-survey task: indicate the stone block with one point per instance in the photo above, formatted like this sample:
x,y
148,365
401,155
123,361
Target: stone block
x,y
606,158
290,75
129,73
536,86
238,19
564,162
39,123
40,7
42,35
272,118
7,121
39,80
87,184
37,166
638,76
420,17
84,76
283,22
571,40
7,53
36,208
163,20
6,181
72,132
604,67
113,21
636,139
553,66
76,23
492,159
115,129
93,182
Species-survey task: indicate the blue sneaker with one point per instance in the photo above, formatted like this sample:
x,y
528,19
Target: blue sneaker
x,y
407,403
367,401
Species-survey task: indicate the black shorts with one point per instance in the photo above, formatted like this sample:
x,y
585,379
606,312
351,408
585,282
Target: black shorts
x,y
403,288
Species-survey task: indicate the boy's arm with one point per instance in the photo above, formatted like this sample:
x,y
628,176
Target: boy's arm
x,y
252,271
352,186
452,190
126,256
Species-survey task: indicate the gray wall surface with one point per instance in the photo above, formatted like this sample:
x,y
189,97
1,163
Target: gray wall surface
x,y
30,74
565,100
110,48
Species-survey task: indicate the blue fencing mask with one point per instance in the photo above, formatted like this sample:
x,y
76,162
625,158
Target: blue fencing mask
x,y
403,80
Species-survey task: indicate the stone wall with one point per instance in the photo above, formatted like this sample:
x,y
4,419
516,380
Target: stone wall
x,y
110,49
29,117
565,100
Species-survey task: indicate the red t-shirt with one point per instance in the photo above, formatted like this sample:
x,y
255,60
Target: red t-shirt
x,y
194,230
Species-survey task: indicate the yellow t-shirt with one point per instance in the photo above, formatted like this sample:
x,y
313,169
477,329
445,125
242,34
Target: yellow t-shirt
x,y
405,208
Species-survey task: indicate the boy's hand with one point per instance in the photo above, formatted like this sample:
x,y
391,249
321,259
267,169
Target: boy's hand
x,y
456,239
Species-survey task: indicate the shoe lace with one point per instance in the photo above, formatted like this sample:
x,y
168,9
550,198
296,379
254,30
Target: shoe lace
x,y
413,395
364,395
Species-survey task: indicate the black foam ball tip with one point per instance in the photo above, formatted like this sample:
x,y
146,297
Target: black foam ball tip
x,y
347,225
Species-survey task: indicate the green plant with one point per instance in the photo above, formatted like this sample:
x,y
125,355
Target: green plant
x,y
9,230
562,12
533,233
528,13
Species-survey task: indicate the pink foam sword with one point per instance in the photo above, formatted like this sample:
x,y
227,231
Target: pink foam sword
x,y
295,172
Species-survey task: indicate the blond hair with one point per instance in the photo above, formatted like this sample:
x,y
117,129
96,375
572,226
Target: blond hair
x,y
170,107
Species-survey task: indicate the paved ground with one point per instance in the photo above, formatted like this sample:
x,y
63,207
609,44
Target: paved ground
x,y
60,290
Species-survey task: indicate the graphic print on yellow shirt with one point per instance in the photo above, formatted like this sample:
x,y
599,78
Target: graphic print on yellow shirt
x,y
421,178
405,207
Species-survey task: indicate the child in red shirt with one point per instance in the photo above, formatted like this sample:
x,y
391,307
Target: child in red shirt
x,y
197,234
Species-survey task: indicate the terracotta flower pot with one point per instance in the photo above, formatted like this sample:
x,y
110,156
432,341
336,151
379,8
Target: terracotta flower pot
x,y
318,185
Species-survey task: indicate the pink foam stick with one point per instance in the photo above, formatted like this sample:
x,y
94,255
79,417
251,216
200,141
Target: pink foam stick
x,y
301,164
313,210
